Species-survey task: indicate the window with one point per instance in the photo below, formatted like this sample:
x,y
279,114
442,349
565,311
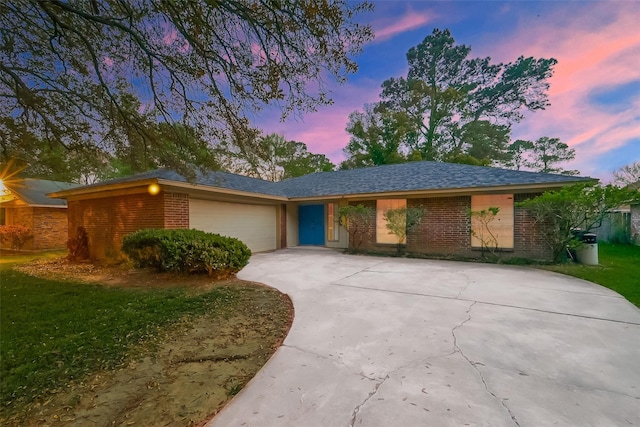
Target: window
x,y
492,231
382,232
333,222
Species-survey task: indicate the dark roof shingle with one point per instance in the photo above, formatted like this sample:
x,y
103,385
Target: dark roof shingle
x,y
413,176
34,191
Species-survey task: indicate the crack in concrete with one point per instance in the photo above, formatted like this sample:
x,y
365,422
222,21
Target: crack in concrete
x,y
565,384
355,412
336,282
466,276
539,310
474,365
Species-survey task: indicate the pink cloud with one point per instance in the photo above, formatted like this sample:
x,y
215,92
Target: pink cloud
x,y
591,56
324,131
410,21
597,46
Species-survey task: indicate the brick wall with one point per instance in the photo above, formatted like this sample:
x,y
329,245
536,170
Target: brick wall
x,y
50,228
445,230
107,220
283,226
528,240
176,210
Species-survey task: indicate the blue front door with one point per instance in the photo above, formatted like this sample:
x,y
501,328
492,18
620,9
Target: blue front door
x,y
311,224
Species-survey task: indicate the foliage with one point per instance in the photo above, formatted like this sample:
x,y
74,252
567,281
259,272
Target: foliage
x,y
627,174
74,78
518,151
273,158
450,104
618,269
546,152
55,332
16,235
485,141
402,221
355,218
481,229
189,251
78,246
378,137
561,213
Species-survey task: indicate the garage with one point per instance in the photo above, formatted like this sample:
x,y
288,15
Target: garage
x,y
255,225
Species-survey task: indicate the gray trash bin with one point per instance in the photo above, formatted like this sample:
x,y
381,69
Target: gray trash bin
x,y
587,254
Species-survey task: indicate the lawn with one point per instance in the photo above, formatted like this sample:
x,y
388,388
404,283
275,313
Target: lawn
x,y
55,332
619,270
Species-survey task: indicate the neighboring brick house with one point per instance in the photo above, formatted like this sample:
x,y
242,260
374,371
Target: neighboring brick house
x,y
303,210
24,202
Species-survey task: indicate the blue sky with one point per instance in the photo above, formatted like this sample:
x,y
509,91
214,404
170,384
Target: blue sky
x,y
594,94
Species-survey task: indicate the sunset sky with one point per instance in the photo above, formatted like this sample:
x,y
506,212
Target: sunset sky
x,y
594,94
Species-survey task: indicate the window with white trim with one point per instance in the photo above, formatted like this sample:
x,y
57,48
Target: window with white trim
x,y
493,230
383,235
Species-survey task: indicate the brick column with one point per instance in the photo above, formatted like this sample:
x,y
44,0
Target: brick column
x,y
176,210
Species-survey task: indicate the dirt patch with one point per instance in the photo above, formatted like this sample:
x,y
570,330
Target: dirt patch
x,y
197,367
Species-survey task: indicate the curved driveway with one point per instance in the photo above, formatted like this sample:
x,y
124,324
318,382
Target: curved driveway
x,y
405,342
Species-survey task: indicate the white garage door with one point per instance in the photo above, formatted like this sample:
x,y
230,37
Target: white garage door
x,y
255,225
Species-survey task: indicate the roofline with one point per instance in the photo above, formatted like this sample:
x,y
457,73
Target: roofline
x,y
444,191
98,191
49,206
108,189
212,189
31,205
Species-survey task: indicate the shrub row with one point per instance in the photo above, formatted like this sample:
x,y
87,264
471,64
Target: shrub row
x,y
188,251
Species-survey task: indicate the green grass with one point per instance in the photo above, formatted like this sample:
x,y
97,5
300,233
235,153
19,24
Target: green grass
x,y
619,270
55,332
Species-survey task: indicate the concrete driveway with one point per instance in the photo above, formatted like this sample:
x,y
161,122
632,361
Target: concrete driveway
x,y
403,342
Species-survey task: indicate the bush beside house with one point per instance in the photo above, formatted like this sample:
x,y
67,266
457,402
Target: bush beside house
x,y
186,251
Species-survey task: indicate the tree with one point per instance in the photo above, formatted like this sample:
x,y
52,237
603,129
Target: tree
x,y
402,221
67,68
274,159
485,141
559,214
547,152
481,229
377,137
354,219
453,103
517,157
628,174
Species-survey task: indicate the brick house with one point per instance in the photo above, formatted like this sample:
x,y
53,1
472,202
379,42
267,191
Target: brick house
x,y
303,211
25,202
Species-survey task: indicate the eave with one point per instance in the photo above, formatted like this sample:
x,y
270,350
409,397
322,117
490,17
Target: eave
x,y
443,192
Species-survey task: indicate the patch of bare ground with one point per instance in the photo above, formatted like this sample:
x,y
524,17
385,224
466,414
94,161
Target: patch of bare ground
x,y
188,376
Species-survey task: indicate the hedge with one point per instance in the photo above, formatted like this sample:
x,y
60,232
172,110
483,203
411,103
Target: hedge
x,y
186,251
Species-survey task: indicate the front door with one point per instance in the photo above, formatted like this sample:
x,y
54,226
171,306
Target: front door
x,y
311,224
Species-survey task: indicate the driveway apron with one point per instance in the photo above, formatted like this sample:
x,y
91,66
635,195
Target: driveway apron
x,y
404,342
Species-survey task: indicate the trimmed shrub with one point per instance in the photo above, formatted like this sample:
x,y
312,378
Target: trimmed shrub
x,y
186,251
